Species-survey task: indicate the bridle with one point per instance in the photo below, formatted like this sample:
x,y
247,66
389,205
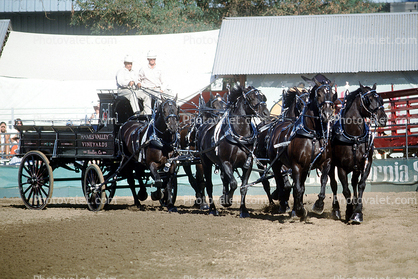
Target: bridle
x,y
365,100
171,115
328,89
217,98
248,101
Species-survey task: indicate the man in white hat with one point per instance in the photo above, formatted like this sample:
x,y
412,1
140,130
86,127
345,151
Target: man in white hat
x,y
151,77
127,82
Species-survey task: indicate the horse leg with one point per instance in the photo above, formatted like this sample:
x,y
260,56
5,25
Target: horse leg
x,y
299,177
229,182
188,170
266,186
156,195
283,193
200,193
318,206
243,209
207,171
336,214
142,193
169,189
131,181
342,175
357,216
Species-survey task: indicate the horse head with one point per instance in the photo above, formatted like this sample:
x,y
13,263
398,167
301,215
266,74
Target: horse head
x,y
293,102
372,104
256,102
324,98
217,103
169,111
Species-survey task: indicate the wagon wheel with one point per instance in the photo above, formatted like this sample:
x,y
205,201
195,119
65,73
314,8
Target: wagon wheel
x,y
93,187
164,199
110,187
35,180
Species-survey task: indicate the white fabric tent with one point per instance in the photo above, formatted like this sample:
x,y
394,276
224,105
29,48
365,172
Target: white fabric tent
x,y
40,73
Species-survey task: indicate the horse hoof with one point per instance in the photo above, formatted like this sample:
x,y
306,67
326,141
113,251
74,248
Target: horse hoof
x,y
275,195
293,215
156,195
284,209
299,214
204,206
142,195
357,218
303,215
318,208
172,209
225,201
244,214
336,215
214,212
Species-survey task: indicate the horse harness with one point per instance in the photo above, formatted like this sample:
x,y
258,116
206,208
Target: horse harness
x,y
339,133
230,135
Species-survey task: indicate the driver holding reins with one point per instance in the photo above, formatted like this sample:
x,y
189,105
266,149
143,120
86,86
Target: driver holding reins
x,y
127,83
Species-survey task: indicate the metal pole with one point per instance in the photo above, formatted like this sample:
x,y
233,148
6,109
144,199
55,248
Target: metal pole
x,y
406,139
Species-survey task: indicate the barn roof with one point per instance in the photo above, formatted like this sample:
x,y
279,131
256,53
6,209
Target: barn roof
x,y
5,28
13,6
348,43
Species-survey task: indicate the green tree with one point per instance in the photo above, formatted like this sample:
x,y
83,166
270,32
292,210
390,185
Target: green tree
x,y
175,16
140,17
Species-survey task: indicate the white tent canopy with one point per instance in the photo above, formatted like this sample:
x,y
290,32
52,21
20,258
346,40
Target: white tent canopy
x,y
41,72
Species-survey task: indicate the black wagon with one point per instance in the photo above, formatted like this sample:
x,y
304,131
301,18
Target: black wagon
x,y
90,149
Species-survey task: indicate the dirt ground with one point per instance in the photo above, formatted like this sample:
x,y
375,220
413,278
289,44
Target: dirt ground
x,y
68,241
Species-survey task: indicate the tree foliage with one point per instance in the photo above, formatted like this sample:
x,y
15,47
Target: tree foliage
x,y
113,17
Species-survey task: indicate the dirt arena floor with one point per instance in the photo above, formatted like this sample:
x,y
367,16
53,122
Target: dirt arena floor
x,y
68,241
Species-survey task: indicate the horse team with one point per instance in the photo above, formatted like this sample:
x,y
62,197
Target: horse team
x,y
236,132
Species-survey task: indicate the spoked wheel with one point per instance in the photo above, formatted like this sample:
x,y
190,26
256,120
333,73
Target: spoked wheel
x,y
35,180
110,187
93,188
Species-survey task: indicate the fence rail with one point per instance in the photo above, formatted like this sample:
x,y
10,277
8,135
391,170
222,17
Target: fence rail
x,y
40,114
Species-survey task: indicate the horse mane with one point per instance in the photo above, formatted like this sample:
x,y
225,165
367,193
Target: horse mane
x,y
351,97
321,79
235,93
289,98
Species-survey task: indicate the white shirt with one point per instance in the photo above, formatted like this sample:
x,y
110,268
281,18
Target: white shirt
x,y
151,77
124,76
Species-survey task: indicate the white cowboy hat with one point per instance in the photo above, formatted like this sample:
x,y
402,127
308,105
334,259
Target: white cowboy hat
x,y
128,59
151,55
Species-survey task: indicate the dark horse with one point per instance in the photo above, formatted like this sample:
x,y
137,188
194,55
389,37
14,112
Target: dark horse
x,y
352,148
230,144
150,145
293,105
209,111
304,145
